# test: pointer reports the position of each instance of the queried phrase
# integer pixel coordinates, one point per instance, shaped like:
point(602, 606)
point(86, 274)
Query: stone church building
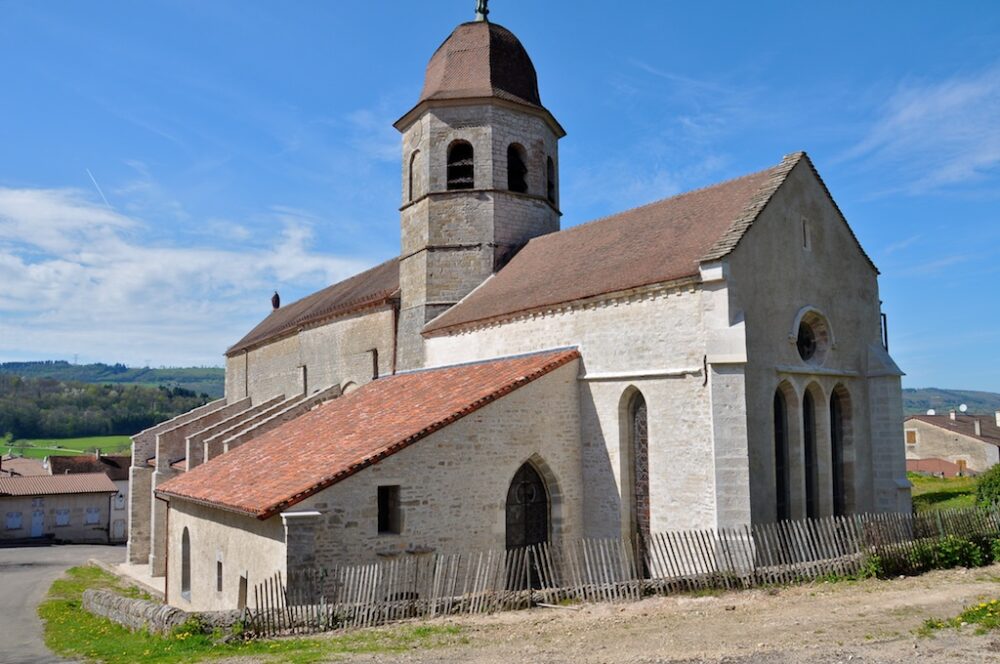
point(708, 360)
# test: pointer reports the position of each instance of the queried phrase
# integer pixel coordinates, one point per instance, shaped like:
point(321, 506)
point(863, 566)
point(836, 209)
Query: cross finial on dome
point(482, 11)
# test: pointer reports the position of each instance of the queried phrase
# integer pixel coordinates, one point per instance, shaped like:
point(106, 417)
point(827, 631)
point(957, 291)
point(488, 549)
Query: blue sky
point(166, 164)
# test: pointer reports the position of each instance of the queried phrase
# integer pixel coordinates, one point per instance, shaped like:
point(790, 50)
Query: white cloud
point(938, 134)
point(80, 278)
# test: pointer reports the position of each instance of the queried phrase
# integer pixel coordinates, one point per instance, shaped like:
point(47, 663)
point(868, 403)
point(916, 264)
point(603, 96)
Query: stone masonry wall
point(246, 547)
point(651, 341)
point(336, 352)
point(454, 483)
point(799, 253)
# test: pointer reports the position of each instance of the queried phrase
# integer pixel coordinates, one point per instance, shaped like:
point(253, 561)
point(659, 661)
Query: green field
point(933, 493)
point(40, 448)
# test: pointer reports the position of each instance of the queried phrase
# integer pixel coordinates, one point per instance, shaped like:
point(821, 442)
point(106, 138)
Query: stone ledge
point(143, 614)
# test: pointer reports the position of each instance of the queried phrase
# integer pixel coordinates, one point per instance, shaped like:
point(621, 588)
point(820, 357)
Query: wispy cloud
point(81, 278)
point(934, 135)
point(935, 266)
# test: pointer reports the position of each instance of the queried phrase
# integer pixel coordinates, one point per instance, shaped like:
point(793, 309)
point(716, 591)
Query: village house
point(116, 467)
point(952, 444)
point(64, 508)
point(709, 360)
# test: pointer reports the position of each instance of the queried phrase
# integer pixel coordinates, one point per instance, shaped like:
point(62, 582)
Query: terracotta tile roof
point(340, 437)
point(481, 59)
point(115, 467)
point(371, 287)
point(655, 243)
point(47, 485)
point(965, 425)
point(22, 466)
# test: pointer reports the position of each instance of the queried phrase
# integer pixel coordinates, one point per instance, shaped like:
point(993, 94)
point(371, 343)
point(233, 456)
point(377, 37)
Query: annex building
point(708, 360)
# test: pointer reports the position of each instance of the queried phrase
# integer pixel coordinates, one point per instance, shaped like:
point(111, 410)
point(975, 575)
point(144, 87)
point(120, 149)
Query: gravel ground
point(869, 622)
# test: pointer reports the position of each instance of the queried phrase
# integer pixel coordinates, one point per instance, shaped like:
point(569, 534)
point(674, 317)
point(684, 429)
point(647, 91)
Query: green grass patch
point(936, 493)
point(71, 631)
point(985, 617)
point(43, 447)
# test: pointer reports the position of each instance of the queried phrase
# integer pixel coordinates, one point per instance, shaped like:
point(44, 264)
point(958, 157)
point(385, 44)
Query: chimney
point(979, 426)
point(97, 452)
point(998, 417)
point(952, 415)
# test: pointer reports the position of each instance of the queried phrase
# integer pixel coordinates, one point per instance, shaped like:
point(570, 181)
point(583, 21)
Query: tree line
point(49, 408)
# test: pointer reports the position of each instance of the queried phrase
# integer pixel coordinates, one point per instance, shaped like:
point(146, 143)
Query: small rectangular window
point(13, 520)
point(911, 437)
point(218, 576)
point(389, 517)
point(62, 517)
point(962, 465)
point(93, 515)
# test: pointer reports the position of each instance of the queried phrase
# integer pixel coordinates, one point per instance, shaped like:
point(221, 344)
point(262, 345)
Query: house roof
point(115, 467)
point(47, 485)
point(344, 435)
point(21, 466)
point(369, 288)
point(965, 425)
point(659, 242)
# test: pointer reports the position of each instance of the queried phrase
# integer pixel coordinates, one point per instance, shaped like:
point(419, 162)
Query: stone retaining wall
point(138, 614)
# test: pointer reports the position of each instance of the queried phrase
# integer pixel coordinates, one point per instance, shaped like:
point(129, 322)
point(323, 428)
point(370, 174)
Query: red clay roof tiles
point(46, 485)
point(340, 437)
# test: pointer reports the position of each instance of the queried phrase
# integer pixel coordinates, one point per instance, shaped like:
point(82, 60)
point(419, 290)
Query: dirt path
point(870, 622)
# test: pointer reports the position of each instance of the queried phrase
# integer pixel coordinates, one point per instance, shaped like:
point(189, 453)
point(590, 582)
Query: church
point(714, 359)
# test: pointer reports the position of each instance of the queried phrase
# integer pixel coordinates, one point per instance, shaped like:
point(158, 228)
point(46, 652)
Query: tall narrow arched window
point(186, 564)
point(810, 465)
point(840, 459)
point(517, 169)
point(550, 180)
point(461, 166)
point(782, 499)
point(414, 189)
point(639, 443)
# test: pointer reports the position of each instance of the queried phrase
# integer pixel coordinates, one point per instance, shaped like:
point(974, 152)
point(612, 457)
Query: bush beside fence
point(612, 570)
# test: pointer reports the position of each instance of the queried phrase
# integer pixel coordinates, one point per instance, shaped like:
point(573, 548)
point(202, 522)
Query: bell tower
point(480, 173)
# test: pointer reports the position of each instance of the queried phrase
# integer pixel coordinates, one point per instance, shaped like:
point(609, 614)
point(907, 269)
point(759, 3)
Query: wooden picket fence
point(602, 570)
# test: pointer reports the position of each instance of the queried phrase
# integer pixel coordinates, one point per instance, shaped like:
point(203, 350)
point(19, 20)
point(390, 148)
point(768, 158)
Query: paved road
point(25, 577)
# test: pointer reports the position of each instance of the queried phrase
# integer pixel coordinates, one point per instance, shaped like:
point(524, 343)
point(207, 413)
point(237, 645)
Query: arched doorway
point(527, 509)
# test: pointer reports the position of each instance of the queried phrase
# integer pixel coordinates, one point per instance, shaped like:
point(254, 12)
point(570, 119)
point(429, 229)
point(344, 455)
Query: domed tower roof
point(481, 59)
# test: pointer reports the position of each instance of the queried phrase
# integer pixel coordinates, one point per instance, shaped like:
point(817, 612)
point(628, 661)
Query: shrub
point(988, 488)
point(873, 568)
point(954, 551)
point(995, 550)
point(921, 558)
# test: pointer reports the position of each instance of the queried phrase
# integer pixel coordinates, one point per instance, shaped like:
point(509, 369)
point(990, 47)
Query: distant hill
point(922, 399)
point(201, 380)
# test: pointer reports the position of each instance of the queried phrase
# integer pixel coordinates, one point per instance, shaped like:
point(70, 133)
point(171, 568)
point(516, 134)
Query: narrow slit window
point(218, 576)
point(550, 186)
point(806, 235)
point(390, 520)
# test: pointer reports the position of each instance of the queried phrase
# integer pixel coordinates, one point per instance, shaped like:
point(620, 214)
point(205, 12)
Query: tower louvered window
point(461, 166)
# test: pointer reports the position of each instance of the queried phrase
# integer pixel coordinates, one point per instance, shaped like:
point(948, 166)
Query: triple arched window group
point(806, 441)
point(461, 173)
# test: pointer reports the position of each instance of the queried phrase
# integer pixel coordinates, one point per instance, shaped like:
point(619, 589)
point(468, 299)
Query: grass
point(72, 632)
point(40, 448)
point(934, 493)
point(985, 616)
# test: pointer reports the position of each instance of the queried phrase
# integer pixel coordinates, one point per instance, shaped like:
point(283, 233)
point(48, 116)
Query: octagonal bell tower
point(480, 173)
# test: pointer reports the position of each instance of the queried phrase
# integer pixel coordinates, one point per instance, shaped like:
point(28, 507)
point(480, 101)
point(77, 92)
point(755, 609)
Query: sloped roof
point(371, 287)
point(340, 437)
point(22, 466)
point(660, 242)
point(115, 467)
point(47, 485)
point(965, 425)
